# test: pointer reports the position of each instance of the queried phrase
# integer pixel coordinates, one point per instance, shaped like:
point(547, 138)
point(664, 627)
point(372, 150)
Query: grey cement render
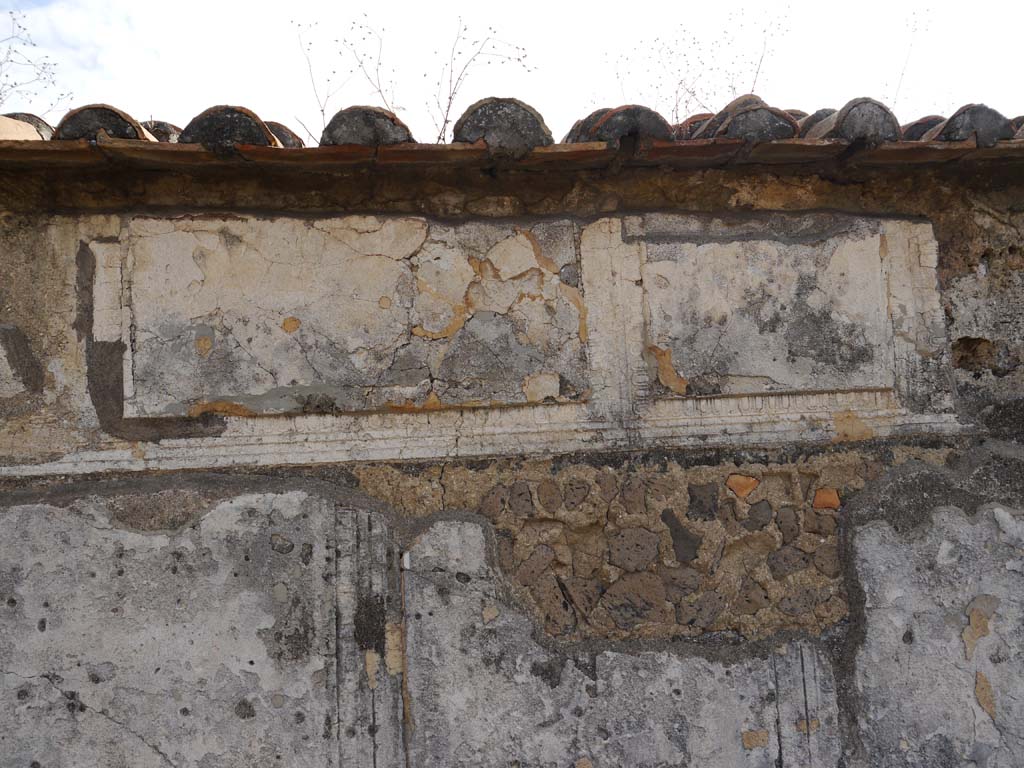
point(926, 662)
point(209, 646)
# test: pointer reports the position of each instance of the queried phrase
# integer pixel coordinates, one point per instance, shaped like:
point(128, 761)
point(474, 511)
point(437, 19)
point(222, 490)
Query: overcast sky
point(169, 61)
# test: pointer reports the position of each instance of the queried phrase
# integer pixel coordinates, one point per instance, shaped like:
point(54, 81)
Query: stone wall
point(443, 467)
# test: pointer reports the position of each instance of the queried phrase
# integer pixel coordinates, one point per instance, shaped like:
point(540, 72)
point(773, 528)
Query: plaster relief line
point(779, 761)
point(807, 710)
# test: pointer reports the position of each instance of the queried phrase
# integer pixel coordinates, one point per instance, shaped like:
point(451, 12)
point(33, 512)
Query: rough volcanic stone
point(636, 598)
point(633, 549)
point(549, 495)
point(685, 543)
point(494, 502)
point(634, 495)
point(534, 566)
point(820, 521)
point(584, 593)
point(789, 524)
point(679, 582)
point(758, 516)
point(826, 560)
point(800, 601)
point(576, 492)
point(703, 611)
point(556, 610)
point(520, 499)
point(751, 598)
point(703, 502)
point(786, 561)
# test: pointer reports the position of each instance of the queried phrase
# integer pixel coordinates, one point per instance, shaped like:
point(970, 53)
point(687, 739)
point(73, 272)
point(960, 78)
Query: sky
point(170, 61)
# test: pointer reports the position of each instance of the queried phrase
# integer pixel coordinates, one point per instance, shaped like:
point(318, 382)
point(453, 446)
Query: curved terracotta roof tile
point(507, 126)
point(581, 128)
point(93, 120)
point(17, 130)
point(710, 128)
point(690, 126)
point(365, 126)
point(629, 120)
point(164, 132)
point(285, 135)
point(977, 120)
point(862, 119)
point(43, 128)
point(758, 123)
point(226, 126)
point(915, 130)
point(807, 123)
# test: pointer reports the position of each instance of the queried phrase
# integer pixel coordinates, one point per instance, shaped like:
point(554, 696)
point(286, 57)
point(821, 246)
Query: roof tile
point(982, 123)
point(615, 124)
point(365, 126)
point(285, 135)
point(95, 120)
point(17, 130)
point(508, 127)
point(225, 126)
point(862, 120)
point(162, 131)
point(915, 130)
point(807, 123)
point(43, 128)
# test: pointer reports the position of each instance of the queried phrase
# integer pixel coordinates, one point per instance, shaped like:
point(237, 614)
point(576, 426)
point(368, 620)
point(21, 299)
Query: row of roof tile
point(508, 127)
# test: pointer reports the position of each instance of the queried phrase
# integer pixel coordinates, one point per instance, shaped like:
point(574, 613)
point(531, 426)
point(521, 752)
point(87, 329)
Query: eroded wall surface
point(647, 470)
